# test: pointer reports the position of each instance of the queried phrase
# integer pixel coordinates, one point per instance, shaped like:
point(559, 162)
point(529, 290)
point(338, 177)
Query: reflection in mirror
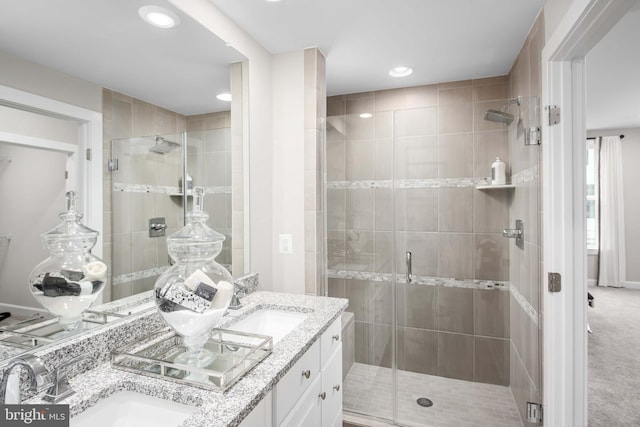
point(159, 93)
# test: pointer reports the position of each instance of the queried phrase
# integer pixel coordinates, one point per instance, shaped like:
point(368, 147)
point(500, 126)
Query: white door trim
point(88, 173)
point(565, 318)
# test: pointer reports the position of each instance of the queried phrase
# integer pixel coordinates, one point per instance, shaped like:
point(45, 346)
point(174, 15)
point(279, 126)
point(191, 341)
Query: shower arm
point(517, 100)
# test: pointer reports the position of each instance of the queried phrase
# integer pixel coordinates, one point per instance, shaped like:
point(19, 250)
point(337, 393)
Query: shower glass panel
point(434, 347)
point(148, 184)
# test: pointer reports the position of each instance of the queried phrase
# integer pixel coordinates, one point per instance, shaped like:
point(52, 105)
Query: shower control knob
point(159, 226)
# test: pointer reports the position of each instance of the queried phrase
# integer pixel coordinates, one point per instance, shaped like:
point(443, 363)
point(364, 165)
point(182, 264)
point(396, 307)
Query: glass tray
point(236, 353)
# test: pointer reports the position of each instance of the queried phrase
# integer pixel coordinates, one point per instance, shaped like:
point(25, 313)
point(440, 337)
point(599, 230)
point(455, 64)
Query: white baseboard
point(632, 285)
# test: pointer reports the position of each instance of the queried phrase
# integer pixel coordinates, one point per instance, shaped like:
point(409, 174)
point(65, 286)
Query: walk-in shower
point(411, 177)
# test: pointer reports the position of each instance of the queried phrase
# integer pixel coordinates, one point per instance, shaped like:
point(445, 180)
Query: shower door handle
point(408, 259)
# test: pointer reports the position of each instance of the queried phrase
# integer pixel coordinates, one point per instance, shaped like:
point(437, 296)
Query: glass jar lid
point(70, 234)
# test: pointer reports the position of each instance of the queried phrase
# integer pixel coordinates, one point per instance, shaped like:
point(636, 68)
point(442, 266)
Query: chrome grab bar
point(408, 255)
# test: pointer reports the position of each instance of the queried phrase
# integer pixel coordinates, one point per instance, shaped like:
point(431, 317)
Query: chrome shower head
point(498, 116)
point(163, 146)
point(502, 116)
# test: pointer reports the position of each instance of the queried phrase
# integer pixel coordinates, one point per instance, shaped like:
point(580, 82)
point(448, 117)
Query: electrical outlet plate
point(286, 244)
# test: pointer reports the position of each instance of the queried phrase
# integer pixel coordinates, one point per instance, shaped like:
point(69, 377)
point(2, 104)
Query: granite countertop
point(231, 407)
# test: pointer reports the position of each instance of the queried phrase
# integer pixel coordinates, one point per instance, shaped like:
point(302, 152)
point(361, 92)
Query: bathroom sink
point(131, 409)
point(274, 323)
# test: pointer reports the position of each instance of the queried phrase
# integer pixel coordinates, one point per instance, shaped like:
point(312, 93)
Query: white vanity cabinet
point(315, 401)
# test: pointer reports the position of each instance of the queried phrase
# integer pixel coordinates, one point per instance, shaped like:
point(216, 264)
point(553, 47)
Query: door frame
point(565, 312)
point(86, 174)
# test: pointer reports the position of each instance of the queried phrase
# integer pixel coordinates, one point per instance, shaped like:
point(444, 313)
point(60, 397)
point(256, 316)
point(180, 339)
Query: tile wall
point(454, 321)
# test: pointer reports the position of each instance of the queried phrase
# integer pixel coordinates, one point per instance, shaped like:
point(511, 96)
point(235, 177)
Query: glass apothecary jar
point(71, 278)
point(194, 293)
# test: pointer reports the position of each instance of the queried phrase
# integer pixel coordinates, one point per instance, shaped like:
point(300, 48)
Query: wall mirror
point(162, 131)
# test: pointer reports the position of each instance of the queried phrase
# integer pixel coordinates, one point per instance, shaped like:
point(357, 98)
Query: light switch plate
point(286, 244)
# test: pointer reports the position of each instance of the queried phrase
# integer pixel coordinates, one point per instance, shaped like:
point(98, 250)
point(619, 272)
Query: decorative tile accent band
point(165, 189)
point(526, 306)
point(408, 183)
point(420, 280)
point(526, 175)
point(125, 278)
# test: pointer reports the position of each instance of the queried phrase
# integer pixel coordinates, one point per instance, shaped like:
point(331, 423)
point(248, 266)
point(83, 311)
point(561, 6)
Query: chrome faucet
point(239, 291)
point(39, 376)
point(60, 388)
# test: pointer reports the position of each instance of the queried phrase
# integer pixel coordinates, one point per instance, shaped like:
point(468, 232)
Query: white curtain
point(612, 259)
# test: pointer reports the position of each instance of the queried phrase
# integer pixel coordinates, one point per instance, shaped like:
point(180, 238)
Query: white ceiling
point(105, 42)
point(613, 76)
point(443, 40)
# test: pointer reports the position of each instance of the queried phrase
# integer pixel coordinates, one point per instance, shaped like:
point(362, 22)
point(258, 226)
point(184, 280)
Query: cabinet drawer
point(295, 382)
point(331, 339)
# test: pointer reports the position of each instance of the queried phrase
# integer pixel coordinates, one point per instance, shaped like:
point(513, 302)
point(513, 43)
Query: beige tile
point(416, 122)
point(497, 92)
point(142, 285)
point(417, 306)
point(310, 232)
point(122, 254)
point(336, 288)
point(336, 209)
point(455, 155)
point(310, 67)
point(336, 248)
point(416, 157)
point(455, 118)
point(312, 194)
point(336, 105)
point(491, 257)
point(418, 350)
point(382, 348)
point(142, 118)
point(359, 159)
point(491, 81)
point(144, 252)
point(359, 253)
point(491, 362)
point(455, 356)
point(455, 209)
point(362, 104)
point(383, 247)
point(383, 209)
point(310, 107)
point(417, 209)
point(310, 267)
point(491, 313)
point(363, 335)
point(381, 302)
point(455, 255)
point(456, 84)
point(165, 121)
point(388, 100)
point(491, 211)
point(455, 310)
point(336, 129)
point(359, 128)
point(421, 96)
point(121, 118)
point(383, 162)
point(143, 208)
point(424, 249)
point(384, 124)
point(459, 95)
point(122, 212)
point(360, 209)
point(486, 147)
point(336, 158)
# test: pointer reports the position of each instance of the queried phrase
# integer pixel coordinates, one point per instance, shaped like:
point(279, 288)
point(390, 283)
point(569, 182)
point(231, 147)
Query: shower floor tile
point(368, 390)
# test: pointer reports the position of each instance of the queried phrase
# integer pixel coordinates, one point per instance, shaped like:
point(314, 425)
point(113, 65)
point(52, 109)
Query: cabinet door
point(295, 382)
point(330, 341)
point(260, 416)
point(307, 412)
point(332, 386)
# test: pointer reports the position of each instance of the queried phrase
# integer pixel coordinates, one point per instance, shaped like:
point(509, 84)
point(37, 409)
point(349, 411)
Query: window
point(592, 194)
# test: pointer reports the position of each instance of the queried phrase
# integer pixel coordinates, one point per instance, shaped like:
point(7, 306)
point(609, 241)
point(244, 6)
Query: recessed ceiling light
point(159, 16)
point(366, 115)
point(400, 71)
point(224, 96)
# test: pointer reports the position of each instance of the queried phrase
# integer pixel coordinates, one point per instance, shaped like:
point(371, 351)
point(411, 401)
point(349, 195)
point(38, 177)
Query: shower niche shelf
point(495, 187)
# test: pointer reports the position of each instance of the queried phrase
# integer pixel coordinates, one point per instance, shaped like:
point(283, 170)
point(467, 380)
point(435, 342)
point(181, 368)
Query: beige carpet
point(614, 358)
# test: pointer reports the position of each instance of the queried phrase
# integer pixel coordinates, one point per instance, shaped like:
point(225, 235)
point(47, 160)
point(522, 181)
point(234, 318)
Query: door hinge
point(553, 114)
point(112, 164)
point(555, 282)
point(89, 154)
point(534, 413)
